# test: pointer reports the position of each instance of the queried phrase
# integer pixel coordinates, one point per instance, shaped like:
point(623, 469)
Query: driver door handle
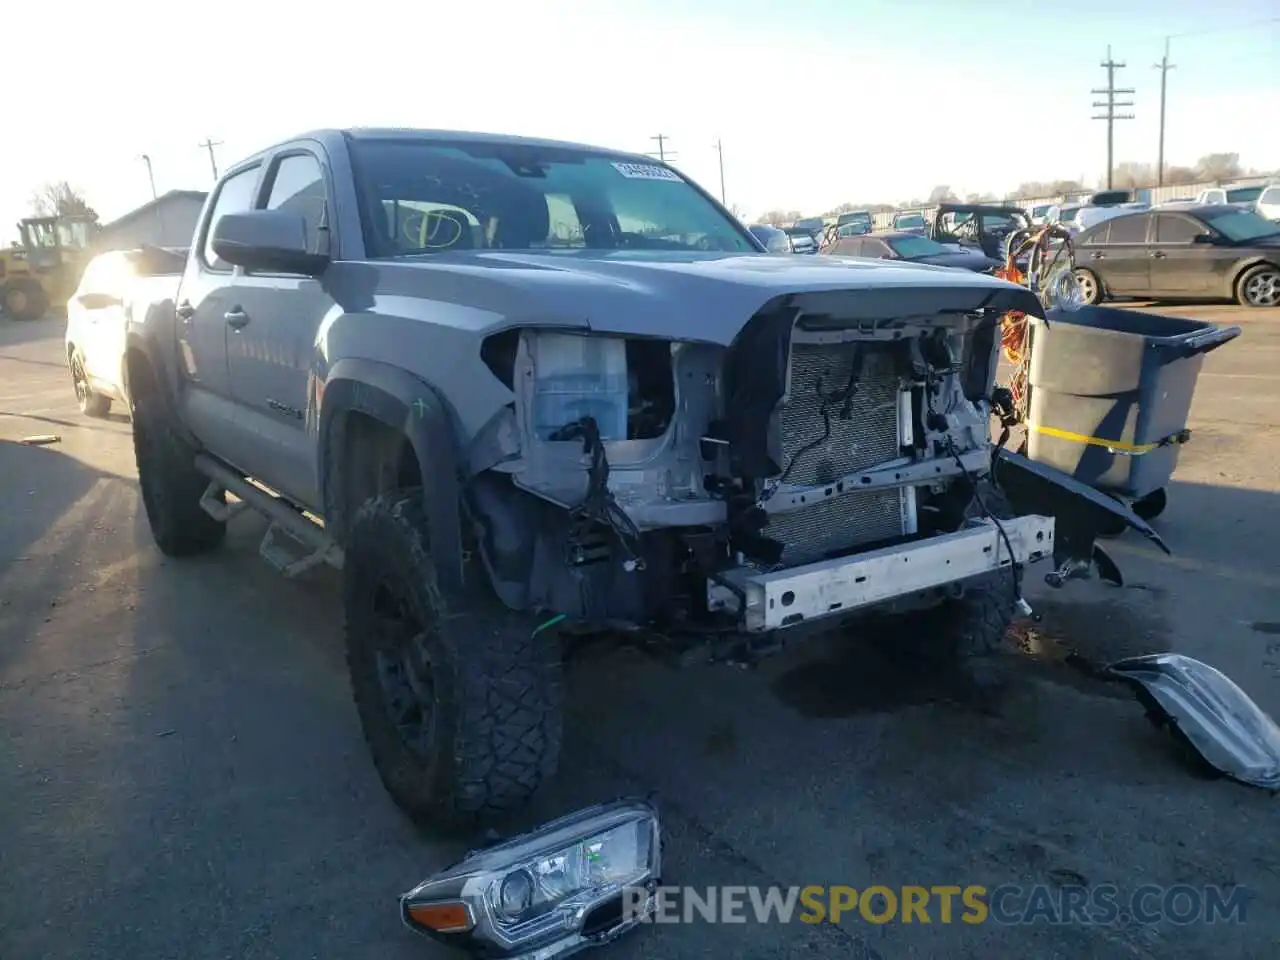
point(185, 311)
point(1099, 255)
point(1159, 255)
point(236, 317)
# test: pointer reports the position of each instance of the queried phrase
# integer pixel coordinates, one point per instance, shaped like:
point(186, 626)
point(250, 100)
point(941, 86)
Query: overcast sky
point(816, 101)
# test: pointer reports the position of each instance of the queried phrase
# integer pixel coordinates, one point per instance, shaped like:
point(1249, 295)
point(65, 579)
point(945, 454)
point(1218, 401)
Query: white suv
point(99, 312)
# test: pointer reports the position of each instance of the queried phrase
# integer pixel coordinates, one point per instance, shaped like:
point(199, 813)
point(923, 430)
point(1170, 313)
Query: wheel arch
point(377, 423)
point(1245, 265)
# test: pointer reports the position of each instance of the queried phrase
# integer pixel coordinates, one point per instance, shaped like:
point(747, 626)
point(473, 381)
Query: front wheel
point(461, 709)
point(1259, 286)
point(1090, 287)
point(91, 403)
point(24, 299)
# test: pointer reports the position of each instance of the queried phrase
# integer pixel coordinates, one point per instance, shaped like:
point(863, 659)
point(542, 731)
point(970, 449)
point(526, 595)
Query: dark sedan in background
point(910, 223)
point(914, 249)
point(774, 240)
point(803, 240)
point(1205, 252)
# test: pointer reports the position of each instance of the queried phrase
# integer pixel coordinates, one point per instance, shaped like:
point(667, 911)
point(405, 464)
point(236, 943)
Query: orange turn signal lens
point(452, 917)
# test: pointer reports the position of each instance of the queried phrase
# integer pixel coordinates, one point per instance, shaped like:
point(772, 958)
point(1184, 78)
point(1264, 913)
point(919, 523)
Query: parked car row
point(1123, 248)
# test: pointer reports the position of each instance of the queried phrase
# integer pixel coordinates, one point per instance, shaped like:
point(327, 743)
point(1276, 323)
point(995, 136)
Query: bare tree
point(1218, 166)
point(736, 210)
point(778, 218)
point(941, 194)
point(1174, 175)
point(1130, 174)
point(60, 199)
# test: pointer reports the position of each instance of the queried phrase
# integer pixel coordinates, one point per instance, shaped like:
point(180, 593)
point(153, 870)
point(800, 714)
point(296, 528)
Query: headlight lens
point(542, 891)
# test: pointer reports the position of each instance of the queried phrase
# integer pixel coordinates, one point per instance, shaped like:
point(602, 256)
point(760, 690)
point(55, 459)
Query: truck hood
point(706, 297)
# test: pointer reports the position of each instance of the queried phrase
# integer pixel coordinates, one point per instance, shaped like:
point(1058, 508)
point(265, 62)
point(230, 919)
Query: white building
point(168, 221)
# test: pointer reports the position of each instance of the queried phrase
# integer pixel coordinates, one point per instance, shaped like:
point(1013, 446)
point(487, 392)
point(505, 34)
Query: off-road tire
point(90, 402)
point(496, 689)
point(24, 299)
point(171, 484)
point(965, 632)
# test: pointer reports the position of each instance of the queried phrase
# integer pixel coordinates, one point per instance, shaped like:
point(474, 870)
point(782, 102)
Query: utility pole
point(1110, 105)
point(209, 144)
point(150, 175)
point(662, 139)
point(1164, 66)
point(720, 150)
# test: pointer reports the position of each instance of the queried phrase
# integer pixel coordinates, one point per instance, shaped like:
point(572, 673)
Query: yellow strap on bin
point(1112, 446)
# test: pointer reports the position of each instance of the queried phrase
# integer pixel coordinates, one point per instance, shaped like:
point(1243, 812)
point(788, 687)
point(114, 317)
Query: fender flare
point(1239, 270)
point(407, 404)
point(164, 375)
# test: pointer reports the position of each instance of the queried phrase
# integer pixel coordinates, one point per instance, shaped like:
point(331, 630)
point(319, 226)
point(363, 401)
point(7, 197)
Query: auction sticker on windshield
point(645, 171)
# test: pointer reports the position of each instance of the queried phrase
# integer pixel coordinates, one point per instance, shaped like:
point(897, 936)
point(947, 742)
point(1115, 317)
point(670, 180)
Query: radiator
point(864, 432)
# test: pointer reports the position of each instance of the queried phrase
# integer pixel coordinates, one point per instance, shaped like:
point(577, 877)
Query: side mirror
point(269, 240)
point(1204, 238)
point(99, 301)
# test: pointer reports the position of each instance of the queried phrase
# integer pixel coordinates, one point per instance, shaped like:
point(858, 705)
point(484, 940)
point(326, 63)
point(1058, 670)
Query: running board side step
point(287, 522)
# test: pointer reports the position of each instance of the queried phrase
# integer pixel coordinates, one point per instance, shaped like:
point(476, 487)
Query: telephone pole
point(1110, 105)
point(1164, 66)
point(662, 139)
point(150, 175)
point(209, 144)
point(720, 150)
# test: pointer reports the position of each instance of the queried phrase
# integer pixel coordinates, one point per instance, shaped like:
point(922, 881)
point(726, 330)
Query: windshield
point(813, 224)
point(428, 197)
point(1241, 224)
point(911, 247)
point(1244, 194)
point(909, 220)
point(1069, 214)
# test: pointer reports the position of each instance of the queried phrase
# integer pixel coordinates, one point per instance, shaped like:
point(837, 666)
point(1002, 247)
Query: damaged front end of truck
point(833, 457)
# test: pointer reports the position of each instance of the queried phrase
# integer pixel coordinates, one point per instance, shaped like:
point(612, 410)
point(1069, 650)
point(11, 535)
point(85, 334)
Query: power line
point(663, 153)
point(1164, 66)
point(209, 144)
point(719, 148)
point(1110, 105)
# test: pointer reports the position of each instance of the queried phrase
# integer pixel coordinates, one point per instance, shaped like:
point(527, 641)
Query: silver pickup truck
point(518, 389)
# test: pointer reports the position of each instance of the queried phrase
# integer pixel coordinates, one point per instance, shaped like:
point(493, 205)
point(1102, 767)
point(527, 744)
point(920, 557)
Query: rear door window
point(236, 195)
point(1130, 229)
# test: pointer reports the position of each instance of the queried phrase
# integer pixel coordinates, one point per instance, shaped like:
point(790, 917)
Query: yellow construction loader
point(40, 271)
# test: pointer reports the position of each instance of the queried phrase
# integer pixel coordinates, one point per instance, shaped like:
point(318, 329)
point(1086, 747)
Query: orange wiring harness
point(1014, 329)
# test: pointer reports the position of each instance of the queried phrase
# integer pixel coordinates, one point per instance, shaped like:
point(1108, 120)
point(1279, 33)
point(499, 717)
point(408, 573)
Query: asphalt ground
point(182, 773)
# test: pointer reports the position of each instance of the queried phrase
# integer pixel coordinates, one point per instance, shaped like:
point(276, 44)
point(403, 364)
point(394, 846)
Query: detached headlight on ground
point(582, 879)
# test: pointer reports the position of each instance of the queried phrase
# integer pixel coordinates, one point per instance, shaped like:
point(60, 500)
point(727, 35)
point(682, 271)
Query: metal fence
point(884, 221)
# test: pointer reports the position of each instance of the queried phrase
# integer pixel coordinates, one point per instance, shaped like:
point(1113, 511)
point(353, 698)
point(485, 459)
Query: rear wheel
point(24, 299)
point(1090, 286)
point(91, 404)
point(1259, 286)
point(460, 702)
point(171, 484)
